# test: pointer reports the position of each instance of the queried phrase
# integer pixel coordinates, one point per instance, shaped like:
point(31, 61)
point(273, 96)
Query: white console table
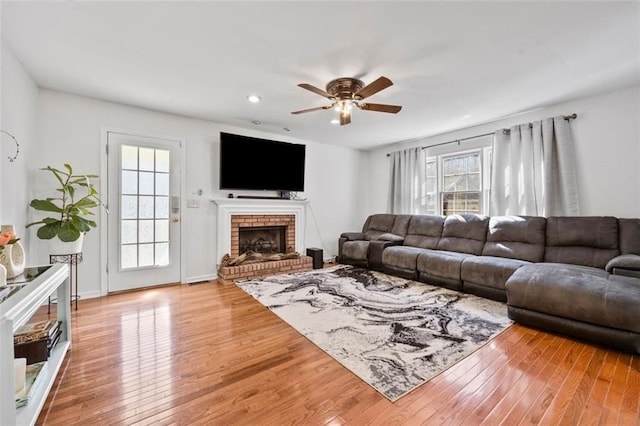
point(15, 311)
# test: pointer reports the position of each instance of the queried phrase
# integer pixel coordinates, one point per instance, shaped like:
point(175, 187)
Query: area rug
point(393, 333)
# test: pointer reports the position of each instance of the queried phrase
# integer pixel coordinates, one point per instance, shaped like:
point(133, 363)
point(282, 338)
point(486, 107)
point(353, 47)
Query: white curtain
point(533, 170)
point(406, 180)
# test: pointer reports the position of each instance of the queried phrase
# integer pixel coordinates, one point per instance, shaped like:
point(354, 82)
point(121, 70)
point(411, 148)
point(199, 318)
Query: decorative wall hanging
point(12, 159)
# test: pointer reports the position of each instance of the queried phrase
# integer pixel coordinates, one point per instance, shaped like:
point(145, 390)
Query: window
point(461, 184)
point(458, 182)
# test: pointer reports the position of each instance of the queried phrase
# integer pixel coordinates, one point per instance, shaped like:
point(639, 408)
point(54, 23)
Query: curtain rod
point(566, 117)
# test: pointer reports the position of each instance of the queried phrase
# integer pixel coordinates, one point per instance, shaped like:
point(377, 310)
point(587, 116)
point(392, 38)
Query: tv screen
point(260, 164)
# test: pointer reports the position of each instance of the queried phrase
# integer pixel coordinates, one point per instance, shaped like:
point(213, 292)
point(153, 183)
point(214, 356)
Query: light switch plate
point(194, 204)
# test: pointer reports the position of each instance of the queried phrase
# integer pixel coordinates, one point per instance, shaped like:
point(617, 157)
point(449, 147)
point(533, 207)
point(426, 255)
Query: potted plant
point(74, 204)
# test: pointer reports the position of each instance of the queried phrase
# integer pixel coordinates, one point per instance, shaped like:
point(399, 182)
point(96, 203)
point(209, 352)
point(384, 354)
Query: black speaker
point(316, 255)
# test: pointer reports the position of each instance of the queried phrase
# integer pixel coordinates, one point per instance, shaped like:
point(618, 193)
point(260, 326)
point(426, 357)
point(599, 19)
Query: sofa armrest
point(391, 237)
point(353, 236)
point(341, 242)
point(629, 262)
point(375, 252)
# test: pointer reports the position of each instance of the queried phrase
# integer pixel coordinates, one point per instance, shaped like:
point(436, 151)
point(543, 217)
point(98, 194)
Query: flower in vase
point(7, 238)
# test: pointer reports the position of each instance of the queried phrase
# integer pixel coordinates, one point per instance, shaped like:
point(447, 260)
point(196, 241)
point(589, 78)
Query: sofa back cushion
point(516, 237)
point(588, 241)
point(380, 224)
point(401, 224)
point(424, 231)
point(464, 233)
point(629, 236)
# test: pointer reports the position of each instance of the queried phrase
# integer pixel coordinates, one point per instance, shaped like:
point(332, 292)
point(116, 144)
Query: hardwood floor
point(210, 354)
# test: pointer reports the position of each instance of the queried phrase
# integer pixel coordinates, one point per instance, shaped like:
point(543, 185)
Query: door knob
point(175, 220)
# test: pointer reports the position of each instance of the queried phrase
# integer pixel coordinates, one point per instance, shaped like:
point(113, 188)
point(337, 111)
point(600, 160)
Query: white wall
point(69, 131)
point(607, 137)
point(19, 105)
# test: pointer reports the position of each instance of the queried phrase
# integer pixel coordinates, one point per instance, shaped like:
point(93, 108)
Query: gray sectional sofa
point(578, 276)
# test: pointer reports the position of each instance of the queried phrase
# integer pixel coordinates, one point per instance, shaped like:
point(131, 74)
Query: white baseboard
point(210, 277)
point(199, 278)
point(90, 295)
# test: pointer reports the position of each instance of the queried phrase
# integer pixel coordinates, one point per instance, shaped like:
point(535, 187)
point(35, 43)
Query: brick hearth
point(229, 274)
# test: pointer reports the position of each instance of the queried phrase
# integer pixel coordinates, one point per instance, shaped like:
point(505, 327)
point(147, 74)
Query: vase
point(58, 247)
point(3, 276)
point(12, 257)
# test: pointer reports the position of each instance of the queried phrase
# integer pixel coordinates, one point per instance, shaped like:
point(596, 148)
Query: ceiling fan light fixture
point(344, 106)
point(346, 92)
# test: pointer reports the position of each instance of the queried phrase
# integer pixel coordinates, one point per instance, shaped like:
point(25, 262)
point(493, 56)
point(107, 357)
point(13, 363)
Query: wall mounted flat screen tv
point(260, 164)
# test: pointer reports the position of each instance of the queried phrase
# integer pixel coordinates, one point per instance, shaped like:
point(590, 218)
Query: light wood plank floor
point(210, 354)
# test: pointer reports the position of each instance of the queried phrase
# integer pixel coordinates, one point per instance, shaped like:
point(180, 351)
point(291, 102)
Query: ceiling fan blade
point(393, 109)
point(345, 118)
point(373, 87)
point(315, 90)
point(311, 109)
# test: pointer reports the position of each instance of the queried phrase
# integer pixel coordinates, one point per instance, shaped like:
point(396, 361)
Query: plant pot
point(58, 247)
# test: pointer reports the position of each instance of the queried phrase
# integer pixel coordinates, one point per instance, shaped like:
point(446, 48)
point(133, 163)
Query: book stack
point(35, 341)
point(31, 383)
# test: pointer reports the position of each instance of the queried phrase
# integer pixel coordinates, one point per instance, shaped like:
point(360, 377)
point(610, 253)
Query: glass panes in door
point(144, 207)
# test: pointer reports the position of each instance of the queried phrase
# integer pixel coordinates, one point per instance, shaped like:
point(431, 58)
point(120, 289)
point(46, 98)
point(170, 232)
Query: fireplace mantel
point(228, 207)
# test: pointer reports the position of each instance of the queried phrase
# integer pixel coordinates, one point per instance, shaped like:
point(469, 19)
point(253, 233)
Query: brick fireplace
point(261, 222)
point(262, 218)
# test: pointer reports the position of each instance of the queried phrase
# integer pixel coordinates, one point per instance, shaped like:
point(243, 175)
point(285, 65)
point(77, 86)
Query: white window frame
point(485, 177)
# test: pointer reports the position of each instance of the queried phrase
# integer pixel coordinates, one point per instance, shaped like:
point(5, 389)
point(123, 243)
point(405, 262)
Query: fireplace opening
point(262, 239)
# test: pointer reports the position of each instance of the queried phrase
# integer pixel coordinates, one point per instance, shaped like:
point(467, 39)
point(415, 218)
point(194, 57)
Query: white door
point(143, 235)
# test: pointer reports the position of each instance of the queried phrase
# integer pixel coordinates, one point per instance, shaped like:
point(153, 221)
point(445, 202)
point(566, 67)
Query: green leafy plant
point(77, 198)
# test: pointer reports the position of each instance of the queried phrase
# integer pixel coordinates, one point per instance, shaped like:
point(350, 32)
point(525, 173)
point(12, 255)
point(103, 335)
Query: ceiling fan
point(346, 92)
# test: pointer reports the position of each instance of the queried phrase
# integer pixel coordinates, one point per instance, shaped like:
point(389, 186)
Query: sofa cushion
point(401, 224)
point(588, 241)
point(577, 292)
point(402, 257)
point(516, 237)
point(424, 231)
point(378, 224)
point(624, 261)
point(464, 233)
point(629, 236)
point(489, 271)
point(441, 263)
point(390, 237)
point(355, 250)
point(382, 224)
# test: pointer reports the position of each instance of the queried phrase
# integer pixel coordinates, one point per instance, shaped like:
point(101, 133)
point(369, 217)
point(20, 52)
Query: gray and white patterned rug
point(393, 333)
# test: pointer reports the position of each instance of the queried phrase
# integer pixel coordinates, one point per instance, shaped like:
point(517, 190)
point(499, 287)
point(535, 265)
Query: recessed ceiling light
point(256, 122)
point(335, 121)
point(254, 99)
point(286, 129)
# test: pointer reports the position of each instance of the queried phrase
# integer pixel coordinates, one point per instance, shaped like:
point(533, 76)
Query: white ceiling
point(453, 64)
